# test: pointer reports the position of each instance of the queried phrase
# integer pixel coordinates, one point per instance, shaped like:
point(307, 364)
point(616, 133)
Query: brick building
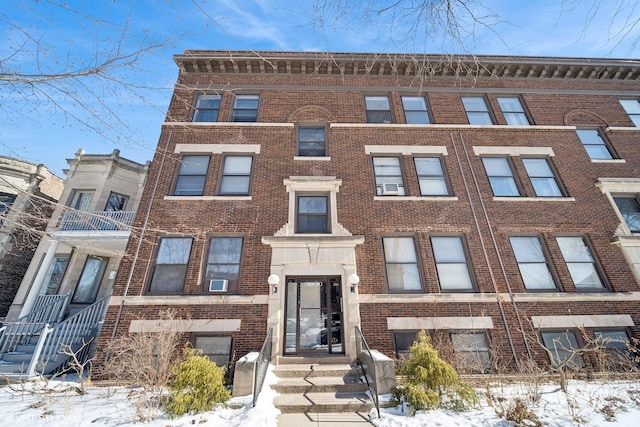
point(491, 201)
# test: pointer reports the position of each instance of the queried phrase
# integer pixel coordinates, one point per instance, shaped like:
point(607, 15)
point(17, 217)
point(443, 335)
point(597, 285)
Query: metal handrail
point(47, 309)
point(262, 363)
point(369, 372)
point(73, 220)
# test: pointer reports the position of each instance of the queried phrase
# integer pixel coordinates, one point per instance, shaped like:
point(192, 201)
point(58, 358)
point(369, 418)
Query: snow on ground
point(58, 404)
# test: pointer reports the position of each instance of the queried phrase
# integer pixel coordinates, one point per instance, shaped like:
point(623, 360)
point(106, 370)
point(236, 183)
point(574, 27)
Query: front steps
point(322, 385)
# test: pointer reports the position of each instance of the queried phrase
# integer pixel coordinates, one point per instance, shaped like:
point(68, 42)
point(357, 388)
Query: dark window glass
point(312, 214)
point(311, 141)
point(223, 262)
point(632, 107)
point(192, 176)
point(117, 202)
point(630, 210)
point(89, 283)
point(471, 351)
point(562, 347)
point(207, 108)
point(170, 269)
point(216, 348)
point(245, 108)
point(378, 109)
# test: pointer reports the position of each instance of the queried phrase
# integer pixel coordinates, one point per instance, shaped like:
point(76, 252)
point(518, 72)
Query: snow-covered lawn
point(58, 404)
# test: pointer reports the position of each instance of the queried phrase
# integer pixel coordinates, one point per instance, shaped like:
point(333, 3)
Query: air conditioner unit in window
point(218, 285)
point(389, 189)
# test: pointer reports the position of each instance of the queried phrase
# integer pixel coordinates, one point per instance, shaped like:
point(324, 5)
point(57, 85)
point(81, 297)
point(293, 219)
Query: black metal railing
point(262, 363)
point(368, 370)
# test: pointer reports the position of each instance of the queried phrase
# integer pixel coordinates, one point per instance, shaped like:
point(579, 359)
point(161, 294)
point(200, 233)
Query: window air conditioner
point(218, 285)
point(390, 189)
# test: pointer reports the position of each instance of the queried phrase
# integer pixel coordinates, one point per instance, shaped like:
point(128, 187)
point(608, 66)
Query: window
point(532, 263)
point(513, 112)
point(415, 110)
point(378, 110)
point(402, 264)
point(388, 176)
point(403, 342)
point(87, 288)
point(312, 214)
point(311, 141)
point(500, 176)
point(192, 176)
point(632, 107)
point(431, 176)
point(207, 108)
point(245, 108)
point(53, 279)
point(562, 347)
point(594, 143)
point(116, 202)
point(615, 349)
point(451, 264)
point(6, 201)
point(223, 264)
point(580, 263)
point(170, 269)
point(477, 111)
point(216, 348)
point(82, 200)
point(236, 175)
point(542, 178)
point(630, 210)
point(471, 351)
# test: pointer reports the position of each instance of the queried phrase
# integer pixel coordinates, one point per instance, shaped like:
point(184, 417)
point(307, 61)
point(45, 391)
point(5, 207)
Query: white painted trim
point(556, 297)
point(448, 126)
point(207, 198)
point(512, 151)
point(608, 161)
point(588, 321)
point(427, 298)
point(217, 148)
point(228, 124)
point(406, 150)
point(190, 300)
point(622, 128)
point(185, 325)
point(419, 323)
point(421, 198)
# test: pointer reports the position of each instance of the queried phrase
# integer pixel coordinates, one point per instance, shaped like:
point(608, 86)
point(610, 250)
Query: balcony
point(97, 221)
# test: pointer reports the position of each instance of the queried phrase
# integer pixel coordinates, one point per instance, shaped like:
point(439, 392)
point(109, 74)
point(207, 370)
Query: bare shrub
point(146, 359)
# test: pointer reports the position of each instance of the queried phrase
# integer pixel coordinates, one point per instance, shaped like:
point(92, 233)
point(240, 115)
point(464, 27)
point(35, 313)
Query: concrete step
point(320, 385)
point(320, 359)
point(17, 357)
point(323, 403)
point(324, 419)
point(317, 370)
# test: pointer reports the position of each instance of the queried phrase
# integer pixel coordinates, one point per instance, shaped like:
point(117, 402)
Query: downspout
point(482, 242)
point(137, 252)
point(502, 268)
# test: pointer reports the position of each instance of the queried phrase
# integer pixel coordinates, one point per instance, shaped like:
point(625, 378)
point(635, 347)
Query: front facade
point(491, 201)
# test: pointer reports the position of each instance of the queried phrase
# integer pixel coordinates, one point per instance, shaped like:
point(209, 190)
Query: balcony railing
point(97, 220)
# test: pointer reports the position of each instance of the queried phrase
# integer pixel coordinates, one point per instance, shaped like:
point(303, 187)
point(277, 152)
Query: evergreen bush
point(197, 386)
point(431, 382)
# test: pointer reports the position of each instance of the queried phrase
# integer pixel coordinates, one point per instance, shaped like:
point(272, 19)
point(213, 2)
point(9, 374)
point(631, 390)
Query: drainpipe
point(500, 261)
point(139, 245)
point(482, 242)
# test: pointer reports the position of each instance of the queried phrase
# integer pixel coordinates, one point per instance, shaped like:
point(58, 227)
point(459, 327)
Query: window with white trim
point(415, 110)
point(542, 177)
point(629, 208)
point(580, 263)
point(632, 107)
point(451, 263)
point(192, 175)
point(170, 267)
point(236, 176)
point(207, 108)
point(312, 141)
point(401, 263)
point(477, 110)
point(388, 176)
point(312, 214)
point(245, 108)
point(532, 263)
point(595, 144)
point(378, 109)
point(501, 178)
point(513, 111)
point(431, 176)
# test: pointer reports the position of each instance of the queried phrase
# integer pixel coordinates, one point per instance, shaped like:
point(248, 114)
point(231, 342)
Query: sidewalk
point(328, 419)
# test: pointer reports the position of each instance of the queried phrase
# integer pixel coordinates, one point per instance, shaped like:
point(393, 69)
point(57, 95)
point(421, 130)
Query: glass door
point(314, 316)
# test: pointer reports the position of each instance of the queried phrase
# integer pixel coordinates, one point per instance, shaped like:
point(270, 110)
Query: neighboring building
point(28, 192)
point(71, 276)
point(492, 201)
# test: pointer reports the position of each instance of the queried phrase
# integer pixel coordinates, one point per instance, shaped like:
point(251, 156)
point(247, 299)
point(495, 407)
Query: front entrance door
point(314, 316)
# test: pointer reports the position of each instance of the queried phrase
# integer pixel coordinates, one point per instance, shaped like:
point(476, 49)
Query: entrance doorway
point(314, 316)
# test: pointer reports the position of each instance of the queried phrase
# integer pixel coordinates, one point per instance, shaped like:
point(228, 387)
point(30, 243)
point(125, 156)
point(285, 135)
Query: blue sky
point(51, 36)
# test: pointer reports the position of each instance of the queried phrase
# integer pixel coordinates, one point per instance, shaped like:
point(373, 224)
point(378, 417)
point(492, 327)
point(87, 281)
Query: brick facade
point(556, 94)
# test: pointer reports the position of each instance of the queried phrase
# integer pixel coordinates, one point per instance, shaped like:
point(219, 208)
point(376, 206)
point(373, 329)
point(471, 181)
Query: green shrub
point(197, 386)
point(431, 382)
